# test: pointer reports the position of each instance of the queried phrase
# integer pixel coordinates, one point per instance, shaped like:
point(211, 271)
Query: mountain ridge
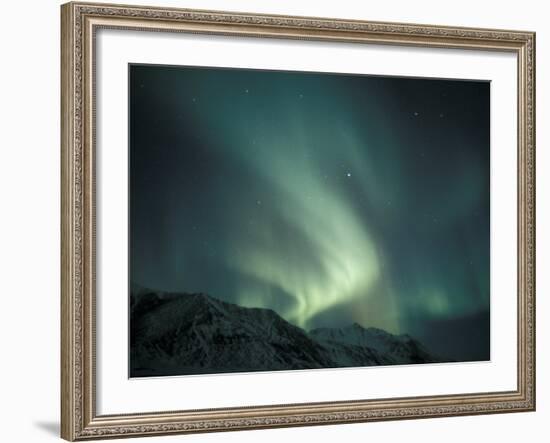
point(195, 333)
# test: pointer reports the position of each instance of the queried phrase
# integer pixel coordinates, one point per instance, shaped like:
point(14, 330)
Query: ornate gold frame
point(79, 22)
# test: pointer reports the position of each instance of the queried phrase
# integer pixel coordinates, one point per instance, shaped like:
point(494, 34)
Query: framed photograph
point(282, 221)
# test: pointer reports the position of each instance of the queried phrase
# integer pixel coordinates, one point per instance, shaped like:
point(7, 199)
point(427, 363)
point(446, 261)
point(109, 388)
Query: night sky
point(328, 198)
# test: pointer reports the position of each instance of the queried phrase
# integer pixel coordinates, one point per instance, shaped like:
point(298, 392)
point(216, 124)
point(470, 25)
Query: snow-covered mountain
point(177, 334)
point(390, 348)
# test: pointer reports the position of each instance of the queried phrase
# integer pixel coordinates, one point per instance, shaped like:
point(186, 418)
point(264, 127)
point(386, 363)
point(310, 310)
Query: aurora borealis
point(328, 198)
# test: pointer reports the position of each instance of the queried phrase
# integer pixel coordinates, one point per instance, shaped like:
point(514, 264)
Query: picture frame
point(81, 239)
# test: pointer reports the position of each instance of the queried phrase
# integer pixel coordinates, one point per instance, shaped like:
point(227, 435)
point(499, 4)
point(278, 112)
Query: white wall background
point(29, 219)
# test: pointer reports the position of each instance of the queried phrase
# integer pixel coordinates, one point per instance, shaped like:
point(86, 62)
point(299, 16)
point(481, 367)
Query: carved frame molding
point(80, 21)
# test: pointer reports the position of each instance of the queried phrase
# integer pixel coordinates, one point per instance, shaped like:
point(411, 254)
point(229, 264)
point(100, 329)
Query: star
point(246, 91)
point(415, 114)
point(441, 115)
point(259, 202)
point(193, 99)
point(349, 174)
